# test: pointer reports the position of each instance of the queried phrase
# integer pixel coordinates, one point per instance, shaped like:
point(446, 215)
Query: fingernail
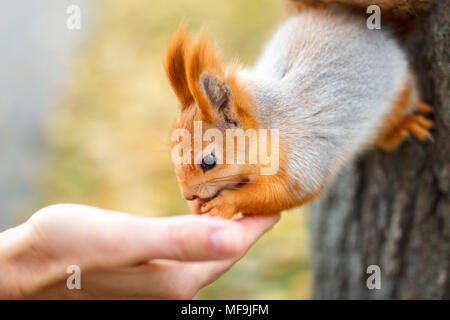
point(226, 240)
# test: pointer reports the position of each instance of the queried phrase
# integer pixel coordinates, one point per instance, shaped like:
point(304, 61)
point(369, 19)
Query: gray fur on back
point(326, 81)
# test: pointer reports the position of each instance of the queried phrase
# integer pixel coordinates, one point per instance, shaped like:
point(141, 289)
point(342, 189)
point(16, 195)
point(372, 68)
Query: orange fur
point(266, 195)
point(243, 104)
point(175, 66)
point(263, 195)
point(201, 58)
point(185, 63)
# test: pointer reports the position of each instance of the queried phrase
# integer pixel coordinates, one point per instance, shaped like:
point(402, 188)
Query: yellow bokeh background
point(108, 142)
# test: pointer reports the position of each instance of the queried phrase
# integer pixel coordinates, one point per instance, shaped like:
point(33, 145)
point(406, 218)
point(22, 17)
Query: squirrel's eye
point(208, 162)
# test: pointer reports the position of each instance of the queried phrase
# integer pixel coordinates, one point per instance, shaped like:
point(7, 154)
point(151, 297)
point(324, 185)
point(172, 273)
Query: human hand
point(120, 256)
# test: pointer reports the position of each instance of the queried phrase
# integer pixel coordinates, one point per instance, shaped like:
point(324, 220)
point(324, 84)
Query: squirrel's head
point(212, 104)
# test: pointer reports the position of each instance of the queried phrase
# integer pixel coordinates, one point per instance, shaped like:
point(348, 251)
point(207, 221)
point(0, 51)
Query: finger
point(191, 238)
point(194, 238)
point(204, 273)
point(255, 226)
point(194, 275)
point(116, 239)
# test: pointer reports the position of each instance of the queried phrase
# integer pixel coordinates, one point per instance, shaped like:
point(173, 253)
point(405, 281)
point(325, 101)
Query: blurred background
point(86, 116)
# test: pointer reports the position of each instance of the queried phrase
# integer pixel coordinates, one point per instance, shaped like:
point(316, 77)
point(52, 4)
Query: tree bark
point(393, 209)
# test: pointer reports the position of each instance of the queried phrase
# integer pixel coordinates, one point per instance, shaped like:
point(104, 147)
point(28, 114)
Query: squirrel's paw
point(415, 124)
point(219, 207)
point(424, 108)
point(418, 126)
point(195, 206)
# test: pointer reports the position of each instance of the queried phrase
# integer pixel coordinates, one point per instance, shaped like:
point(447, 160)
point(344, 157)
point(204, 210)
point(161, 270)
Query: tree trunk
point(393, 209)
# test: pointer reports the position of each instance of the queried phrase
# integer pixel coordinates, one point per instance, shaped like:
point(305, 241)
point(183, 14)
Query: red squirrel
point(330, 88)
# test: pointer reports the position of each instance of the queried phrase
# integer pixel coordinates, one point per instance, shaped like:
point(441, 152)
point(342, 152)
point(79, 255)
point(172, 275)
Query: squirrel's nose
point(190, 197)
point(188, 192)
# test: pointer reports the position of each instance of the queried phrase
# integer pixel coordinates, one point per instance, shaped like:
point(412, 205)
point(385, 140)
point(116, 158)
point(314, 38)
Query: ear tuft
point(175, 66)
point(202, 58)
point(216, 90)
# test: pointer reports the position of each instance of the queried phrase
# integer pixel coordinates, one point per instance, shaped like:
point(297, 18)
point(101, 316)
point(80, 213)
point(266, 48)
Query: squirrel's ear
point(218, 93)
point(216, 90)
point(211, 89)
point(202, 61)
point(175, 66)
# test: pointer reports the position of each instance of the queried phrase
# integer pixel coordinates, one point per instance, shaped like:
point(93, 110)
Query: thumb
point(191, 238)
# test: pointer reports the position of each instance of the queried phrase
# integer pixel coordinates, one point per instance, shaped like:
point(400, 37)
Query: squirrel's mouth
point(232, 186)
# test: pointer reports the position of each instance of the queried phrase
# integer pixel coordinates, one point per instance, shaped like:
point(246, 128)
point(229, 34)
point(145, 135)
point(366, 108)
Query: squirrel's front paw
point(219, 207)
point(195, 206)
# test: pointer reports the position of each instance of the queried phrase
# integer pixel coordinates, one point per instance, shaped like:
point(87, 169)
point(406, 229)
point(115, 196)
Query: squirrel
point(331, 87)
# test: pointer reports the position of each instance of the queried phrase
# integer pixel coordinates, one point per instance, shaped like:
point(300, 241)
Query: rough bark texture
point(393, 209)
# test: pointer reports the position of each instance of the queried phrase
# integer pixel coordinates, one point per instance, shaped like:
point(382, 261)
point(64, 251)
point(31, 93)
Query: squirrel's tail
point(404, 15)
